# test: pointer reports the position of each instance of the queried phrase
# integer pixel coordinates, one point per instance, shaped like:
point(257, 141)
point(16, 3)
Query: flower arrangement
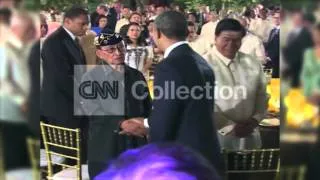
point(300, 113)
point(273, 89)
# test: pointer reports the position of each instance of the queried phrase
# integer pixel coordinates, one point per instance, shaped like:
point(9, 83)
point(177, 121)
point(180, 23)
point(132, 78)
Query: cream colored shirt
point(208, 31)
point(4, 29)
point(245, 77)
point(201, 45)
point(14, 79)
point(253, 46)
point(240, 96)
point(261, 28)
point(121, 23)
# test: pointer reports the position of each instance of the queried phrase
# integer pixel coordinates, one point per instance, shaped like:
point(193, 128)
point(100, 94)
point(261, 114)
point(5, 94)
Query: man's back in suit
point(183, 91)
point(186, 120)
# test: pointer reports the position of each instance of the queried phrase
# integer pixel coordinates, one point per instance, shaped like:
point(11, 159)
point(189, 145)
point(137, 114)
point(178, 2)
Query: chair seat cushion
point(71, 174)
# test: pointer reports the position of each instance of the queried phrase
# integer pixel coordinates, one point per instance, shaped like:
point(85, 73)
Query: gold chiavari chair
point(293, 173)
point(33, 146)
point(64, 139)
point(252, 161)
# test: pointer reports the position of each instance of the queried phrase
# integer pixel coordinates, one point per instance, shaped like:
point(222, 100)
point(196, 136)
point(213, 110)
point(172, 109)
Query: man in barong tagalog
point(112, 127)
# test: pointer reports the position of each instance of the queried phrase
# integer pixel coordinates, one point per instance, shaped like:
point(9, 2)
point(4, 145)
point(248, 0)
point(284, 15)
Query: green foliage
point(218, 4)
point(31, 4)
point(61, 4)
point(188, 4)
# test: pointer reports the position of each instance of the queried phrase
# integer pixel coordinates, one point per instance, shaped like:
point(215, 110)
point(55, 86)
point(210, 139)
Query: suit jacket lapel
point(72, 47)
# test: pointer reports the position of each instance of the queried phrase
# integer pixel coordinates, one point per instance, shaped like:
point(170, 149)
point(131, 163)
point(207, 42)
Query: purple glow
point(159, 162)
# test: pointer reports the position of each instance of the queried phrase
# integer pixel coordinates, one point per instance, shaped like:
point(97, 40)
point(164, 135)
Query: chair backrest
point(293, 172)
point(252, 161)
point(63, 142)
point(33, 146)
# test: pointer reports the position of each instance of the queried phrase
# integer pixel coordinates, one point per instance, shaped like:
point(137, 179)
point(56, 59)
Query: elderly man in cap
point(113, 127)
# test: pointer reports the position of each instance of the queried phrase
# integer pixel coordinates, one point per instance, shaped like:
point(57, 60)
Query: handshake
point(133, 127)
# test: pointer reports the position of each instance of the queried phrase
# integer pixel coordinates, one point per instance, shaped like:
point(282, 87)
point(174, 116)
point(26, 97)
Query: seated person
point(138, 55)
point(102, 22)
point(160, 162)
point(310, 80)
point(192, 32)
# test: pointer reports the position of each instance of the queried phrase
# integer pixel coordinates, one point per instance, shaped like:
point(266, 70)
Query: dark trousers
point(96, 168)
point(80, 122)
point(14, 145)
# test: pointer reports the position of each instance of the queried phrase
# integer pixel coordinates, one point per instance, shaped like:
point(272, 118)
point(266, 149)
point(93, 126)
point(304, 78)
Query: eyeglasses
point(112, 49)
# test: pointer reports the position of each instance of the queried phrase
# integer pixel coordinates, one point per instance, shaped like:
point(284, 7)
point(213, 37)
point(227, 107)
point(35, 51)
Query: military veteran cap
point(105, 39)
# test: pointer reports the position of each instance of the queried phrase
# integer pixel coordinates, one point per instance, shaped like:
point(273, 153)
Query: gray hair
point(173, 25)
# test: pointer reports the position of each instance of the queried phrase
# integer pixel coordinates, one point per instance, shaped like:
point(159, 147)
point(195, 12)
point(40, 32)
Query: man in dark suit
point(112, 19)
point(299, 39)
point(273, 45)
point(183, 117)
point(60, 53)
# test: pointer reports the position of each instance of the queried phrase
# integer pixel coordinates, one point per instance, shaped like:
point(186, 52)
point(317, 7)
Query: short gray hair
point(173, 25)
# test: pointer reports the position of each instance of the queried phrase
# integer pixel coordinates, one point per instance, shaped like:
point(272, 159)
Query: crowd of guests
point(187, 48)
point(259, 21)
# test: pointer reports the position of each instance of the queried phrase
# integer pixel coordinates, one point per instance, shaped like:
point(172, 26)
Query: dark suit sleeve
point(34, 96)
point(164, 119)
point(58, 67)
point(147, 100)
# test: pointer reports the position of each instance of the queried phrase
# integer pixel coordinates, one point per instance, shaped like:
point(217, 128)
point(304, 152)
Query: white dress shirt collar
point(70, 33)
point(224, 59)
point(172, 47)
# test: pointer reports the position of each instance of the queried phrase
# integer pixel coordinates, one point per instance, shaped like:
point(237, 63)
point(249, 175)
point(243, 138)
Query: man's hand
point(133, 127)
point(245, 129)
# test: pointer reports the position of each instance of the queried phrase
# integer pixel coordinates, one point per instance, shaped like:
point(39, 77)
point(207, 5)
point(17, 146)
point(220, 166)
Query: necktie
point(274, 32)
point(77, 42)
